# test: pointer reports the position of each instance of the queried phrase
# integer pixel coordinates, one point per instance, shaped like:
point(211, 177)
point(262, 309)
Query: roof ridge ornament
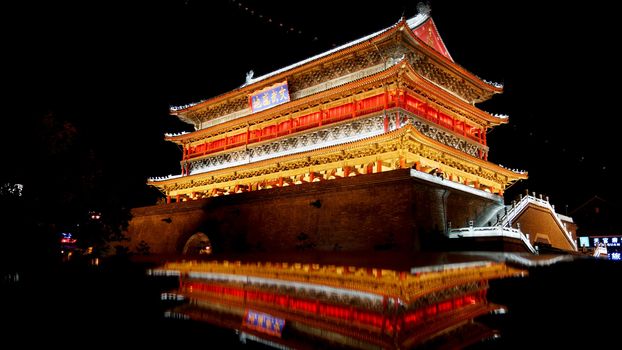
point(249, 77)
point(424, 8)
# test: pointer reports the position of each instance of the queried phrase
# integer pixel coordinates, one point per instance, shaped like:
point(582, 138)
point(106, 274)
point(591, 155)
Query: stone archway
point(197, 244)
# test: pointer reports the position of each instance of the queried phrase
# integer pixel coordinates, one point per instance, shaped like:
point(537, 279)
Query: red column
point(168, 199)
point(379, 166)
point(346, 171)
point(311, 176)
point(386, 122)
point(281, 181)
point(370, 168)
point(400, 98)
point(404, 98)
point(402, 162)
point(386, 99)
point(177, 198)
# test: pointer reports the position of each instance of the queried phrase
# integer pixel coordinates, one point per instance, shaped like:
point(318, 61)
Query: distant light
point(67, 238)
point(171, 296)
point(11, 189)
point(500, 311)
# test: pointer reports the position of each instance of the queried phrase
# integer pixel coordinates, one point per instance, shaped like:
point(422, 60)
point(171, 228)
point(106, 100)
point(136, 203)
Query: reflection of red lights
point(297, 304)
point(68, 240)
point(470, 299)
point(445, 306)
point(410, 319)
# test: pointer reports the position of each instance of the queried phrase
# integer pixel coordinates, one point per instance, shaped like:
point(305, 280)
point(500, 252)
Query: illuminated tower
point(394, 99)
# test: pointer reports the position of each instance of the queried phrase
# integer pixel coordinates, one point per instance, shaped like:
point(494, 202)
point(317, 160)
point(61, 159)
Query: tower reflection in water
point(291, 305)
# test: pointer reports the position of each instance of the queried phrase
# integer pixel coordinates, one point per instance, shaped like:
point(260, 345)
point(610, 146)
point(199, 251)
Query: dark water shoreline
point(575, 303)
point(75, 305)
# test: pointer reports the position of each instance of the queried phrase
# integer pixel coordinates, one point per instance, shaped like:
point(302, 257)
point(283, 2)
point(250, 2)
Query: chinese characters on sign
point(269, 97)
point(264, 323)
point(612, 244)
point(607, 241)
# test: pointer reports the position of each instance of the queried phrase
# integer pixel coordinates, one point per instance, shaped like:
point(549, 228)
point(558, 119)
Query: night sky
point(111, 69)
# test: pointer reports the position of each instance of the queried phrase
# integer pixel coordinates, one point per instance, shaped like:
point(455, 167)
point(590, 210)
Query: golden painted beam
point(406, 143)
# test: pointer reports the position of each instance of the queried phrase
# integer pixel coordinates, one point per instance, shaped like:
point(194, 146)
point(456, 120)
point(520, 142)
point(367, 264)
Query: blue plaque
point(269, 97)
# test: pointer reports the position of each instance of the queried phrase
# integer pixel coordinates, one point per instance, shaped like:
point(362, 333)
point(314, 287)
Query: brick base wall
point(385, 211)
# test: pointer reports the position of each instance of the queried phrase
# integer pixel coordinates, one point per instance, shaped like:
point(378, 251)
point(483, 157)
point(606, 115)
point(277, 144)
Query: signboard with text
point(269, 97)
point(264, 323)
point(612, 243)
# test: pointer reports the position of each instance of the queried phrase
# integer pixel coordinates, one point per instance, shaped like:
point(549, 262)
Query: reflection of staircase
point(503, 219)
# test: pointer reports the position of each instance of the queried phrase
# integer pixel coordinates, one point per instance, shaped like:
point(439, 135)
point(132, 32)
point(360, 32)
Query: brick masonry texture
point(385, 211)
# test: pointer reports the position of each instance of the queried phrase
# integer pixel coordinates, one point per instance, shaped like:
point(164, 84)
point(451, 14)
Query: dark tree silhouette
point(73, 176)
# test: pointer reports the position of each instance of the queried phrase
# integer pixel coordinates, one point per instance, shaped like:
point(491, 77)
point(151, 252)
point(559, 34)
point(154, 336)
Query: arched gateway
point(197, 244)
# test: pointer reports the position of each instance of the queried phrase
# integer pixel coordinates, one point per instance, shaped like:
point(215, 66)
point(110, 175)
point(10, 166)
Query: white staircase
point(504, 218)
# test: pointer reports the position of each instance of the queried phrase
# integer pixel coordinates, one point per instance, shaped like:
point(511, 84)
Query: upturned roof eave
point(453, 65)
point(282, 73)
point(384, 74)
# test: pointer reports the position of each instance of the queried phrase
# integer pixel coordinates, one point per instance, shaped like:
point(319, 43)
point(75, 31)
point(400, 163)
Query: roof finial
point(424, 8)
point(249, 76)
